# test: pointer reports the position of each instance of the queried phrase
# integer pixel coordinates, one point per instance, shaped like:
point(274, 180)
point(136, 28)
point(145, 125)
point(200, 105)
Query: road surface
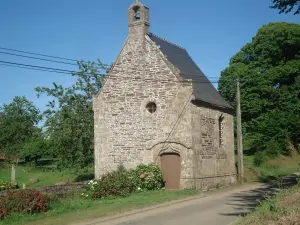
point(221, 207)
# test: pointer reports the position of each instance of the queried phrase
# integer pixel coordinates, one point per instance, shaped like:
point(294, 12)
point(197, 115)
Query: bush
point(24, 201)
point(259, 158)
point(273, 149)
point(5, 186)
point(147, 177)
point(122, 182)
point(112, 184)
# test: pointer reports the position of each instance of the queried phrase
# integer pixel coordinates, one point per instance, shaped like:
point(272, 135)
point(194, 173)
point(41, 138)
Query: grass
point(78, 209)
point(46, 178)
point(283, 209)
point(282, 166)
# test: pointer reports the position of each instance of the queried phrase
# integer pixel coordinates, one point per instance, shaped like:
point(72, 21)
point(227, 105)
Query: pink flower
point(142, 176)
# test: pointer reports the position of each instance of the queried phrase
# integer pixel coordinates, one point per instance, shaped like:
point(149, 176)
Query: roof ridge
point(167, 41)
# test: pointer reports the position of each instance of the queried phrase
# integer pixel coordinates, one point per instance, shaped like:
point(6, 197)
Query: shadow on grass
point(247, 201)
point(46, 162)
point(84, 177)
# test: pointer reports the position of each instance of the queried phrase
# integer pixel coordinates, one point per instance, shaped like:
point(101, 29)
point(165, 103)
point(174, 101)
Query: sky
point(212, 32)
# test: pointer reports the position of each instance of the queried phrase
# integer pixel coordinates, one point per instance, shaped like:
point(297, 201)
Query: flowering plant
point(147, 177)
point(111, 185)
point(24, 201)
point(5, 186)
point(124, 182)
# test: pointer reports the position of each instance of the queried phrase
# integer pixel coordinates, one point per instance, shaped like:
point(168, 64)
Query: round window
point(151, 107)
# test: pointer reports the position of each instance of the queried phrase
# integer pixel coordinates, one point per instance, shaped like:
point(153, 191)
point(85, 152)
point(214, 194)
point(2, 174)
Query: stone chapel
point(157, 106)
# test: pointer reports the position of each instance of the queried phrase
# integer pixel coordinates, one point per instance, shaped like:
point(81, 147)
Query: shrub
point(5, 186)
point(259, 158)
point(123, 183)
point(147, 177)
point(112, 184)
point(273, 149)
point(24, 201)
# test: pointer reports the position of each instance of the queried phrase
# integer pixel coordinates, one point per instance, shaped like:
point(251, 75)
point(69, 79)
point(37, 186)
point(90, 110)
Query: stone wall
point(213, 158)
point(125, 132)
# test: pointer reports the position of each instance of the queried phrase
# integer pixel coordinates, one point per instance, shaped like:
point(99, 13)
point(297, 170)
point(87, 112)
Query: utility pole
point(239, 135)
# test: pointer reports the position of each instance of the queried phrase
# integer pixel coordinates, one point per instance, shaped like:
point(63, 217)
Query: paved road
point(221, 207)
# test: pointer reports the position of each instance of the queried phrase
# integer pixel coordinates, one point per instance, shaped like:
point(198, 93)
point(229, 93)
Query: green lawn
point(78, 209)
point(282, 166)
point(24, 174)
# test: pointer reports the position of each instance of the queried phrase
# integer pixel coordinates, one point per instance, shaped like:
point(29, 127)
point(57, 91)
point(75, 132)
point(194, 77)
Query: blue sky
point(212, 32)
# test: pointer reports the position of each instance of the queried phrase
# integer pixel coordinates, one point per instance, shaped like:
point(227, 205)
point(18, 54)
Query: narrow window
point(221, 135)
point(137, 13)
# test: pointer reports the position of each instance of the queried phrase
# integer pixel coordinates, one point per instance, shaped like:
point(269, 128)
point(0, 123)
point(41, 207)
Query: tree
point(34, 149)
point(269, 67)
point(286, 6)
point(70, 118)
point(18, 125)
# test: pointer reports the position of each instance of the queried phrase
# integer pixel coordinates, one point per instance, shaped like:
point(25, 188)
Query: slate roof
point(179, 57)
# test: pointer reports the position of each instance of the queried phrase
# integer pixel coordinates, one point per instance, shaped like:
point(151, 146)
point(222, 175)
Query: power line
point(39, 67)
point(30, 57)
point(23, 67)
point(67, 59)
point(44, 55)
point(56, 57)
point(70, 72)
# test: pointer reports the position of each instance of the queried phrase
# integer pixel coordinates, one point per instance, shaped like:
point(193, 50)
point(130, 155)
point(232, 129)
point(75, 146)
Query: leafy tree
point(18, 125)
point(269, 68)
point(34, 149)
point(286, 6)
point(70, 119)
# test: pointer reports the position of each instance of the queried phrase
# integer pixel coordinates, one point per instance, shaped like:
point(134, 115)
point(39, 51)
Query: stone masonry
point(127, 133)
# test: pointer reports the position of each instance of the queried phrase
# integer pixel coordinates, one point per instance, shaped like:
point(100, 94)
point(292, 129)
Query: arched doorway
point(170, 167)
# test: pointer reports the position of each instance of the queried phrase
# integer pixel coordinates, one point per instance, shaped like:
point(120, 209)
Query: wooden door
point(170, 167)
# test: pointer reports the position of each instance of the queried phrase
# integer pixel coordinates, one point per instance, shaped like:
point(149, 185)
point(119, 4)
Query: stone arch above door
point(167, 148)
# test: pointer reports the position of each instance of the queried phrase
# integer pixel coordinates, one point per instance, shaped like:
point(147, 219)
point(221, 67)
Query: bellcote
point(138, 19)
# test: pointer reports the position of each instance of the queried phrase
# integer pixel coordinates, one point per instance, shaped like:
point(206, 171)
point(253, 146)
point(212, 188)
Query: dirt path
point(213, 208)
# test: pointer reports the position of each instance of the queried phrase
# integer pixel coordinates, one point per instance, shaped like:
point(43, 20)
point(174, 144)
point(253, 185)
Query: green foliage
point(269, 204)
point(286, 6)
point(34, 149)
point(5, 186)
point(259, 158)
point(123, 183)
point(18, 125)
point(147, 177)
point(269, 68)
point(272, 149)
point(24, 201)
point(112, 184)
point(70, 122)
point(283, 208)
point(75, 209)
